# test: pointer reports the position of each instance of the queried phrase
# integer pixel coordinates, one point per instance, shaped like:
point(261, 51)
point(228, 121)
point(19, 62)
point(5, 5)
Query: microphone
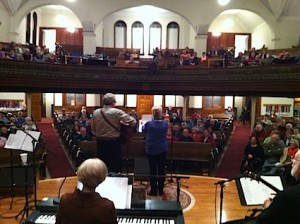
point(57, 199)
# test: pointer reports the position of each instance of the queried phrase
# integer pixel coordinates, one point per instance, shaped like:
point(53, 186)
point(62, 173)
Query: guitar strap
point(105, 118)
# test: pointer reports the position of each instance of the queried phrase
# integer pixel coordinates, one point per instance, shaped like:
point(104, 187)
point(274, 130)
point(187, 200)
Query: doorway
point(241, 44)
point(49, 39)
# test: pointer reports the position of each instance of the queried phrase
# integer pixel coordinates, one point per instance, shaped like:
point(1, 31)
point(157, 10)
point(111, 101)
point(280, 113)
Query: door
point(144, 104)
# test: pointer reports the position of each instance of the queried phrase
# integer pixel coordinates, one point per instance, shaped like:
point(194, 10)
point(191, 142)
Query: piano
point(141, 211)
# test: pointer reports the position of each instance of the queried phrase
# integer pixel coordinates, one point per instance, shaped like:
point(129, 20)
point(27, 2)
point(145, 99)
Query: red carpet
point(230, 165)
point(57, 161)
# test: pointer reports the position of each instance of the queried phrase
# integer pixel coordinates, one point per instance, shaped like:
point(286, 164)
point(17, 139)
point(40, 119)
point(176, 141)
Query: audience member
point(259, 132)
point(185, 137)
point(272, 151)
point(253, 158)
point(20, 120)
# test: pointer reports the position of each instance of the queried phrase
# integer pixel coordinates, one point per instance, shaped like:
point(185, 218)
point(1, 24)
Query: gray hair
point(109, 99)
point(92, 172)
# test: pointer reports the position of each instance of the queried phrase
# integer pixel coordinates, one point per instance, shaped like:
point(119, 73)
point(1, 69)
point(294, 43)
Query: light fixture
point(223, 2)
point(216, 34)
point(71, 29)
point(71, 1)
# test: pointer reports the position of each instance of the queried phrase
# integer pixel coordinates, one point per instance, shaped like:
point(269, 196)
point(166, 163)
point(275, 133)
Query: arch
point(172, 35)
point(137, 37)
point(120, 34)
point(244, 22)
point(155, 36)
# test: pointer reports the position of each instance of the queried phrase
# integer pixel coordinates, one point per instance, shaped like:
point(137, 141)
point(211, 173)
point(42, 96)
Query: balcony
point(275, 80)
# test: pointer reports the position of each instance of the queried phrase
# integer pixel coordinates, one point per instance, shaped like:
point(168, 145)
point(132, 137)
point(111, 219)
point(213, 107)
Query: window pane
point(138, 36)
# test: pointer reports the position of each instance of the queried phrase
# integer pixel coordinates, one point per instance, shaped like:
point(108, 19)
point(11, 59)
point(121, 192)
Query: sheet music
point(115, 189)
point(255, 192)
point(21, 141)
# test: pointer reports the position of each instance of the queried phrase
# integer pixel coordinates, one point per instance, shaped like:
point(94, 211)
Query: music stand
point(25, 141)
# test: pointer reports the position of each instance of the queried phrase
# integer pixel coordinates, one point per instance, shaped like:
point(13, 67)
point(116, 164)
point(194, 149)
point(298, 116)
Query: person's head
point(20, 113)
point(157, 112)
point(295, 172)
point(109, 99)
point(275, 138)
point(83, 131)
point(185, 132)
point(294, 144)
point(92, 172)
point(253, 140)
point(258, 128)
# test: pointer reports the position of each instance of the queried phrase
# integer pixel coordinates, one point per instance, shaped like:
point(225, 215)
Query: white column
point(185, 105)
point(89, 42)
point(28, 101)
point(253, 112)
point(200, 43)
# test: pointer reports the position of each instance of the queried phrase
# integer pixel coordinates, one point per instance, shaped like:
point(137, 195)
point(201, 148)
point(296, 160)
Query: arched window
point(137, 40)
point(154, 36)
point(173, 35)
point(120, 34)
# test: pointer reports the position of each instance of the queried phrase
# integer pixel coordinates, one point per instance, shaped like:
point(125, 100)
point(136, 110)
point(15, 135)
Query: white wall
point(277, 100)
point(12, 96)
point(4, 26)
point(262, 35)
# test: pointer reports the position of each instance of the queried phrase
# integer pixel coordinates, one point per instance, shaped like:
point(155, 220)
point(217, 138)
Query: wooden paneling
point(227, 40)
point(36, 106)
point(144, 104)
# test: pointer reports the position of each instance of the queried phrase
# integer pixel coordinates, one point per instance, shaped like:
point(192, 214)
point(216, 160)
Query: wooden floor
point(204, 189)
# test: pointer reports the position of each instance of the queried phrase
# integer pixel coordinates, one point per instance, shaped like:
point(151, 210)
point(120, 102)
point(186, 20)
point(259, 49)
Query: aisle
point(57, 162)
point(230, 165)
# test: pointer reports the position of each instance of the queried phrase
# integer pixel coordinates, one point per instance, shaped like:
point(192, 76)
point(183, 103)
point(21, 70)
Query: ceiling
point(278, 8)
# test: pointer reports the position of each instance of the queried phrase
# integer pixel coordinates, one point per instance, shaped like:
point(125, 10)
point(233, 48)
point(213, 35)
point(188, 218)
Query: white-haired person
point(285, 206)
point(156, 149)
point(87, 206)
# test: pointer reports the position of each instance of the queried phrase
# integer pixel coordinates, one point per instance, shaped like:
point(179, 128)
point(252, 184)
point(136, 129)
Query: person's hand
point(269, 201)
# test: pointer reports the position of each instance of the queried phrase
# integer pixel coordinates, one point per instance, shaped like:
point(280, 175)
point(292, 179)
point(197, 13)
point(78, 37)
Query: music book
point(22, 141)
point(255, 192)
point(115, 189)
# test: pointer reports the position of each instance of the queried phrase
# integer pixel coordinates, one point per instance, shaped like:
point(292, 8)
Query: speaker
point(141, 169)
point(18, 179)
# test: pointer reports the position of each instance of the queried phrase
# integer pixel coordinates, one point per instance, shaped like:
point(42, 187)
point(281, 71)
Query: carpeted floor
point(57, 162)
point(231, 162)
point(186, 199)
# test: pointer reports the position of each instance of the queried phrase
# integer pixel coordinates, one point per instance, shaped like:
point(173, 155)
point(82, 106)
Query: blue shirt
point(156, 136)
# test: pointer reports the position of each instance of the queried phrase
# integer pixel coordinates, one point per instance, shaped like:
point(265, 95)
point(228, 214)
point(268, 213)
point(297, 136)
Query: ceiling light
point(216, 34)
point(71, 1)
point(223, 2)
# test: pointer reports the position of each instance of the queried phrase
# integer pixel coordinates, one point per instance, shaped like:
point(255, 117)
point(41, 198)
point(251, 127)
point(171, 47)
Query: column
point(28, 100)
point(89, 43)
point(185, 106)
point(253, 112)
point(200, 43)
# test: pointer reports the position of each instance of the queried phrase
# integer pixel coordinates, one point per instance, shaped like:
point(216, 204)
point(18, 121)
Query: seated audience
point(204, 57)
point(20, 120)
point(185, 137)
point(272, 151)
point(3, 119)
point(253, 158)
point(29, 125)
point(83, 136)
point(259, 132)
point(85, 205)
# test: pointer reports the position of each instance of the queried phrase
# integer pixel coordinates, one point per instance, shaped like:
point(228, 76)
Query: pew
point(178, 151)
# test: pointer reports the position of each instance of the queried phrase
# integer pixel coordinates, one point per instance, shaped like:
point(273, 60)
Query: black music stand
point(25, 141)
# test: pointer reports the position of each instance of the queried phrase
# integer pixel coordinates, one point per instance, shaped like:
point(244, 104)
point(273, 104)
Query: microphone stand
point(178, 185)
point(171, 155)
point(222, 185)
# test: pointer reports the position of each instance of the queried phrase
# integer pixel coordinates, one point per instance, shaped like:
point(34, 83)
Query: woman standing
point(156, 149)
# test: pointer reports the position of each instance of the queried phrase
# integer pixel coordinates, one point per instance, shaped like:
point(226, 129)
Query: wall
point(262, 35)
point(277, 100)
point(4, 26)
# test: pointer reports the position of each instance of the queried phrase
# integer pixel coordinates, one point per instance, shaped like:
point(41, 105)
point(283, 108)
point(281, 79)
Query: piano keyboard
point(131, 220)
point(50, 219)
point(46, 219)
point(142, 212)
